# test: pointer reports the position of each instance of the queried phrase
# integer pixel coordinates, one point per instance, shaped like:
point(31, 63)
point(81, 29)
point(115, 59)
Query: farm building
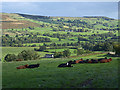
point(49, 56)
point(111, 53)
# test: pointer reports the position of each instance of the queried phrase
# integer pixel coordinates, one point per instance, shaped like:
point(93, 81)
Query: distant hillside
point(105, 18)
point(15, 21)
point(18, 20)
point(58, 32)
point(33, 16)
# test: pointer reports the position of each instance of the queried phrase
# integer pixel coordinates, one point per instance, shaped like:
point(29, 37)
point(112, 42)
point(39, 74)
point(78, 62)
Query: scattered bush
point(10, 57)
point(24, 55)
point(65, 53)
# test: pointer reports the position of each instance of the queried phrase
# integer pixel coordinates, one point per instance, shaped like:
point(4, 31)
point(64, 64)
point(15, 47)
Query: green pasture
point(57, 42)
point(37, 44)
point(16, 50)
point(61, 50)
point(42, 30)
point(48, 75)
point(13, 50)
point(51, 38)
point(54, 40)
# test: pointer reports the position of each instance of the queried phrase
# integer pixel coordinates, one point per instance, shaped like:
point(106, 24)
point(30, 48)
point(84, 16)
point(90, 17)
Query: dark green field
point(48, 75)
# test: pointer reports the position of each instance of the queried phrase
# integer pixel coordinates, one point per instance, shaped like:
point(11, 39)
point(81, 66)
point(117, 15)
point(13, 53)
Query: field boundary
point(89, 54)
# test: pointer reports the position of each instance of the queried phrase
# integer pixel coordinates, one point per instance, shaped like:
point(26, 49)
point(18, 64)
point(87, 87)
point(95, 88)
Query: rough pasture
point(48, 75)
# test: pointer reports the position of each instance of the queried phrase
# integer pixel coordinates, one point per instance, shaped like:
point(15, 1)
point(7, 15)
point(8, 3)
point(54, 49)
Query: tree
point(99, 47)
point(108, 46)
point(24, 55)
point(75, 51)
point(80, 51)
point(20, 56)
point(10, 57)
point(59, 39)
point(20, 44)
point(7, 35)
point(58, 54)
point(16, 36)
point(116, 48)
point(28, 55)
point(42, 48)
point(66, 53)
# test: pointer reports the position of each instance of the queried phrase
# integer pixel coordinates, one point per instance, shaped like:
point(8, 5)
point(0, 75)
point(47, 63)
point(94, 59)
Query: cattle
point(89, 61)
point(77, 61)
point(33, 66)
point(22, 67)
point(94, 61)
point(86, 61)
point(65, 65)
point(110, 59)
point(81, 62)
point(72, 62)
point(103, 61)
point(106, 60)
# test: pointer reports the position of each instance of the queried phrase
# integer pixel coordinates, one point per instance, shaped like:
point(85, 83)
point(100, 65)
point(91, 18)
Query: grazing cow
point(65, 65)
point(22, 67)
point(33, 66)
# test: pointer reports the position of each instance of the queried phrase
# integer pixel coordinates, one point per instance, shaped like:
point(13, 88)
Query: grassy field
point(48, 75)
point(16, 50)
point(61, 50)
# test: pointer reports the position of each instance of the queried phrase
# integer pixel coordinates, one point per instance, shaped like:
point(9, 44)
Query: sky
point(60, 0)
point(72, 9)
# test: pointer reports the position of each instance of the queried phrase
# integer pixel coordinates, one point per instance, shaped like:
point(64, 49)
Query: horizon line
point(63, 16)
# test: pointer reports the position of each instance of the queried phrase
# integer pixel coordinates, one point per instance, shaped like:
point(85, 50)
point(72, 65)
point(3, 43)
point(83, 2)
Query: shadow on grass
point(106, 55)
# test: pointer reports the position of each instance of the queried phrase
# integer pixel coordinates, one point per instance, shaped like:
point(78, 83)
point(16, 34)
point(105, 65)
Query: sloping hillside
point(15, 21)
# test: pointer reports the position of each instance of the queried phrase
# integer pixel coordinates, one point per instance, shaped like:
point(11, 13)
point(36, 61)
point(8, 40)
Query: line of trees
point(24, 55)
point(65, 53)
point(11, 41)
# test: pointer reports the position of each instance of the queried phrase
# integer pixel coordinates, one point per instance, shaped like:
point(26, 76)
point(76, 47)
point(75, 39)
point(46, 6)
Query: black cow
point(94, 61)
point(65, 65)
point(33, 66)
point(86, 61)
point(82, 61)
point(72, 62)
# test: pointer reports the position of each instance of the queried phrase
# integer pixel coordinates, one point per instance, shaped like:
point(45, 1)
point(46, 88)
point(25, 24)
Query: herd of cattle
point(68, 64)
point(101, 60)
